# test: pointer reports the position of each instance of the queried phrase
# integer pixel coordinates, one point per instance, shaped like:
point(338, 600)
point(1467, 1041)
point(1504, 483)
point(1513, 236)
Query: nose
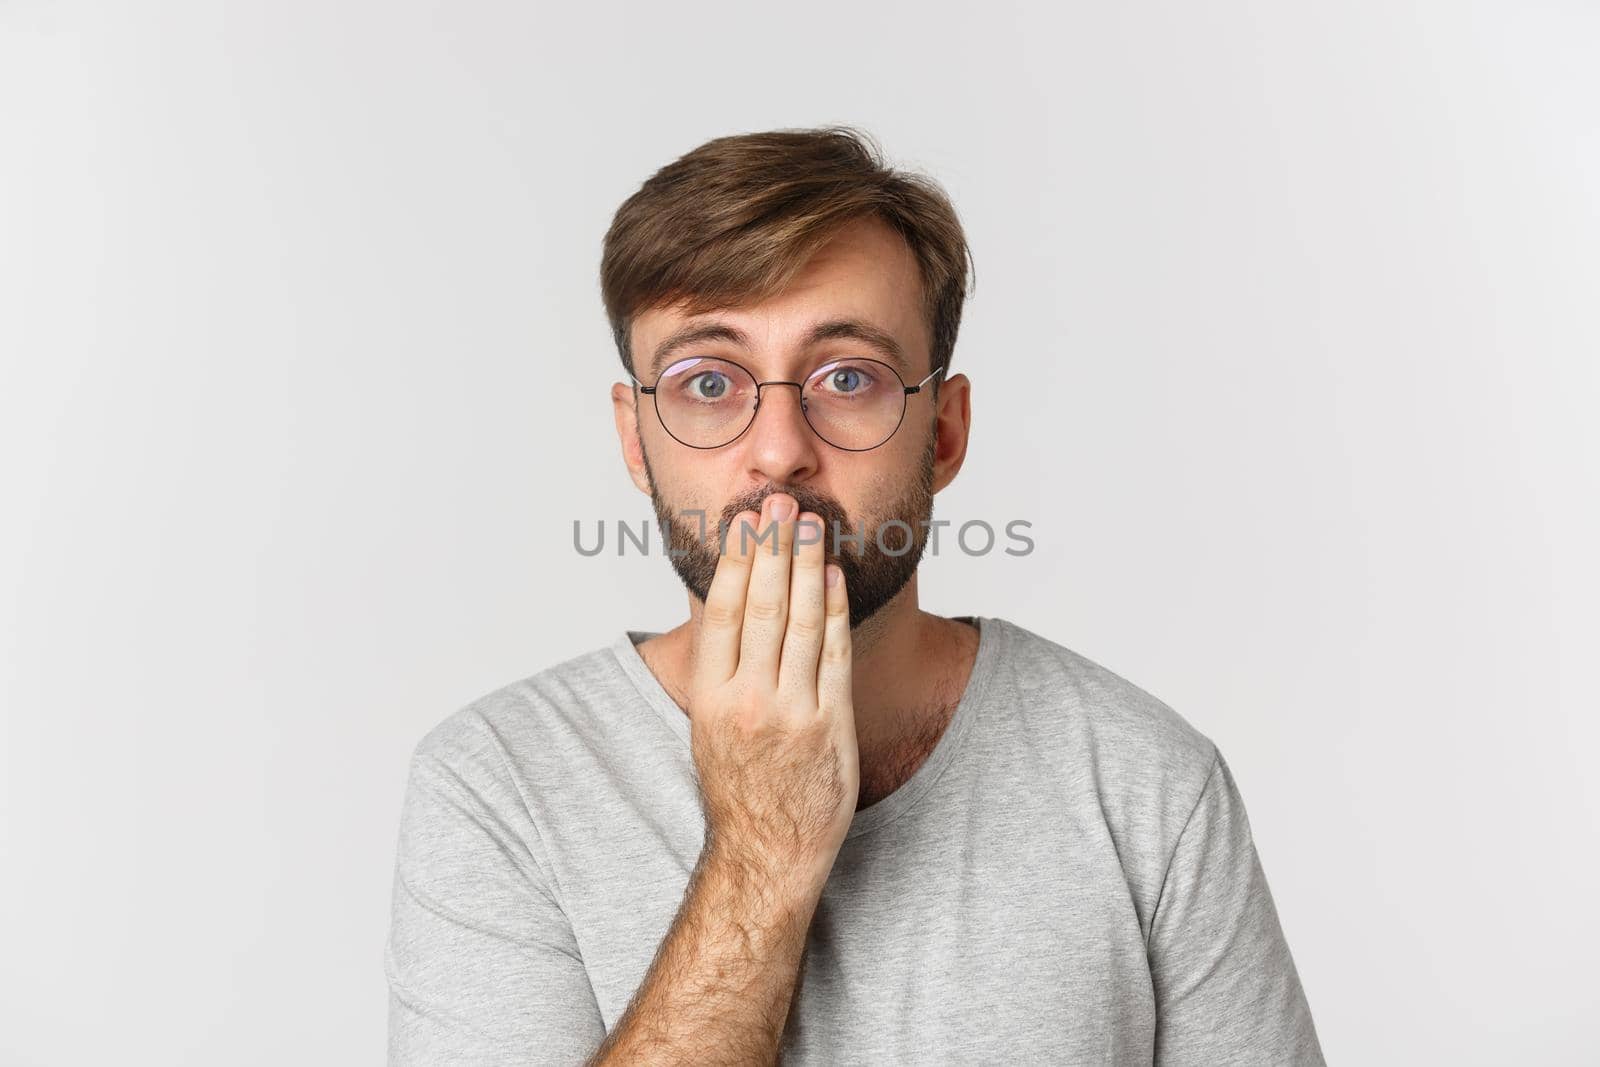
point(779, 444)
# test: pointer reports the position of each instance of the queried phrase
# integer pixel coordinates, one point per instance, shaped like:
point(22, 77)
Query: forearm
point(719, 989)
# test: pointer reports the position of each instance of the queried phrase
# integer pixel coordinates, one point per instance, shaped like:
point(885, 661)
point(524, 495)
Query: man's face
point(866, 274)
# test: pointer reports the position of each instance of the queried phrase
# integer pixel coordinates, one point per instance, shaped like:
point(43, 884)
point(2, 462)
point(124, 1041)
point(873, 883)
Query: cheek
point(903, 455)
point(691, 483)
point(881, 490)
point(864, 490)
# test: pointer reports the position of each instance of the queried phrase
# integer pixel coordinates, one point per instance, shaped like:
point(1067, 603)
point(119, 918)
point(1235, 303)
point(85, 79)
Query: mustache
point(829, 510)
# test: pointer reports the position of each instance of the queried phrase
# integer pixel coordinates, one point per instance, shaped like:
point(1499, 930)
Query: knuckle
point(764, 610)
point(733, 560)
point(805, 626)
point(750, 707)
point(721, 613)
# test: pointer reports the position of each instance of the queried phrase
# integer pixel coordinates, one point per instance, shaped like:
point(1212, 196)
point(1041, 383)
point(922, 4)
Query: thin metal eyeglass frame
point(650, 390)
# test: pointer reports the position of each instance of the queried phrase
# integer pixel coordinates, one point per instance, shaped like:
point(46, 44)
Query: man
point(815, 822)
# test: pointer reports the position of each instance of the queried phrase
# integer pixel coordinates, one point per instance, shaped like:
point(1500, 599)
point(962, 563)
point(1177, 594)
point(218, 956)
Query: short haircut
point(735, 219)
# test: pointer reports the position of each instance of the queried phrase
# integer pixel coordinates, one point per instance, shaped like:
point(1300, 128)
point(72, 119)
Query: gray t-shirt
point(1068, 878)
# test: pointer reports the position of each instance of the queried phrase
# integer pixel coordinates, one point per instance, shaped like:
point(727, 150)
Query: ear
point(952, 425)
point(626, 415)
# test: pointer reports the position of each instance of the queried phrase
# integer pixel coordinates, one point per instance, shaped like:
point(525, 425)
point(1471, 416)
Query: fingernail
point(833, 575)
point(782, 507)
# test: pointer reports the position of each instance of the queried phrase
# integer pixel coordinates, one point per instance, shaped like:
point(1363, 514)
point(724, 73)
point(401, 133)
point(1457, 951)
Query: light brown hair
point(735, 219)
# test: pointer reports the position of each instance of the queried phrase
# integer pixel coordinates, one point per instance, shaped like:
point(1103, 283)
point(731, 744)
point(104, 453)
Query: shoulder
point(1145, 763)
point(531, 719)
point(1063, 685)
point(1117, 753)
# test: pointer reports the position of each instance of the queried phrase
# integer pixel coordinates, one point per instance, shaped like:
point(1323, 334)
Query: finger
point(833, 671)
point(766, 605)
point(802, 639)
point(722, 619)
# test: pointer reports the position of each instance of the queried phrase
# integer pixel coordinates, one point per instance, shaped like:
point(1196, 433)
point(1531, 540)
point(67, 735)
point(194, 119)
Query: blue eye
point(709, 385)
point(840, 380)
point(846, 380)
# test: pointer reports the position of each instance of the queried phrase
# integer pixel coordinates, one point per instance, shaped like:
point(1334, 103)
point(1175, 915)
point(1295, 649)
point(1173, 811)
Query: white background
point(1284, 338)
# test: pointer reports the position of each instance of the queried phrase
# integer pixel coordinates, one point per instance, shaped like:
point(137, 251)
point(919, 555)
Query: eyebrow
point(880, 340)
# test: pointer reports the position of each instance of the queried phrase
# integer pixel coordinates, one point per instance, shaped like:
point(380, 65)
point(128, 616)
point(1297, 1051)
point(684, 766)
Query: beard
point(872, 576)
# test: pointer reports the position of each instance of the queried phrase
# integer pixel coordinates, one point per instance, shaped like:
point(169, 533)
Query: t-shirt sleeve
point(482, 964)
point(1225, 984)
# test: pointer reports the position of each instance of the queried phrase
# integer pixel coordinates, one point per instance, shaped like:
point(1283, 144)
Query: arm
point(774, 744)
point(1226, 986)
point(719, 989)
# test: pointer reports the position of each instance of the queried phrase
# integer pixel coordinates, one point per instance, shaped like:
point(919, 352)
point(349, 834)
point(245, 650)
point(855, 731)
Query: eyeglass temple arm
point(918, 387)
point(643, 388)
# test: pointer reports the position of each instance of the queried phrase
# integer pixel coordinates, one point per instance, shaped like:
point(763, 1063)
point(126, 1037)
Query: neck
point(902, 658)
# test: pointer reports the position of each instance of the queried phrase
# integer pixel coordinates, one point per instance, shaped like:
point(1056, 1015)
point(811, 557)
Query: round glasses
point(853, 403)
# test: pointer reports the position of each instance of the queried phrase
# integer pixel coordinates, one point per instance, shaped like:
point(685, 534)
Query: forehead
point(866, 273)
